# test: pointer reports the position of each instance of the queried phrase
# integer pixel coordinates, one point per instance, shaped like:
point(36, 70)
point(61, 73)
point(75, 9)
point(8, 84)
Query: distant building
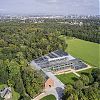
point(6, 93)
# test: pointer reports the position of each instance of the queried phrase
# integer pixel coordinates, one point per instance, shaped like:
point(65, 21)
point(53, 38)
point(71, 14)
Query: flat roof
point(53, 56)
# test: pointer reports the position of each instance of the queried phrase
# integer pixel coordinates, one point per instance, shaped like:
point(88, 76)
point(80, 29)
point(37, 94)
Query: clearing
point(86, 51)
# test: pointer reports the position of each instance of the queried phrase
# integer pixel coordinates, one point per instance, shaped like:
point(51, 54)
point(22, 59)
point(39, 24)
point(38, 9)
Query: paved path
point(58, 88)
point(73, 71)
point(50, 91)
point(40, 96)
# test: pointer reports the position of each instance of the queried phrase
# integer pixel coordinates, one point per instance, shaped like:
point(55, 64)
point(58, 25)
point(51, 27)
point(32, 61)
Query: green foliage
point(24, 97)
point(85, 79)
point(15, 95)
point(87, 51)
point(82, 89)
point(3, 72)
point(33, 81)
point(78, 84)
point(20, 44)
point(70, 93)
point(49, 97)
point(96, 74)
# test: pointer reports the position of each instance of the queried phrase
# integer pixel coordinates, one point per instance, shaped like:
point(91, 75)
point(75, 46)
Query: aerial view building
point(52, 63)
point(59, 60)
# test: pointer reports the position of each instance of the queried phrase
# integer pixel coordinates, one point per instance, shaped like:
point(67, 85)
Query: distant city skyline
point(50, 7)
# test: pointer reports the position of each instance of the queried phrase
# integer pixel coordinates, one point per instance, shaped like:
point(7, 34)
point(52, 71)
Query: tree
point(78, 85)
point(90, 94)
point(96, 74)
point(85, 79)
point(33, 81)
point(3, 72)
point(96, 85)
point(91, 79)
point(69, 93)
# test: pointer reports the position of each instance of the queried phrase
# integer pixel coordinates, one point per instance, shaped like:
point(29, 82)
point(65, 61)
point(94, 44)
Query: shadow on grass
point(74, 78)
point(85, 73)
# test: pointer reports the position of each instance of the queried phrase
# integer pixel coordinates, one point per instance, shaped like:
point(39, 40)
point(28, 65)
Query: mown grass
point(68, 78)
point(89, 52)
point(49, 97)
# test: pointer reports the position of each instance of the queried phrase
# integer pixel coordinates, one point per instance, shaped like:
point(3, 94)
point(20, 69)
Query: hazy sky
point(60, 7)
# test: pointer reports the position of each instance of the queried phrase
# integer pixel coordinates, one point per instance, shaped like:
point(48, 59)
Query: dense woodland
point(19, 45)
point(22, 42)
point(87, 87)
point(89, 30)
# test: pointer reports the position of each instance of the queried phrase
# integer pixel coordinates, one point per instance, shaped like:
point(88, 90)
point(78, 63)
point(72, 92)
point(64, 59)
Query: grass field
point(49, 97)
point(87, 51)
point(67, 78)
point(70, 78)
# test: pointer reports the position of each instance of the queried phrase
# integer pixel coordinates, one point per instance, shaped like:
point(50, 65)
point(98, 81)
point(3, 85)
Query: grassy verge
point(49, 97)
point(67, 78)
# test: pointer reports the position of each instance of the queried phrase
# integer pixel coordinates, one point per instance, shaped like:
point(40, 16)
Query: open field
point(68, 78)
point(87, 51)
point(49, 97)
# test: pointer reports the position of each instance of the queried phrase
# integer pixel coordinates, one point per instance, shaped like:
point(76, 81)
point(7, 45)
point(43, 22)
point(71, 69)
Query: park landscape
point(20, 43)
point(89, 52)
point(83, 50)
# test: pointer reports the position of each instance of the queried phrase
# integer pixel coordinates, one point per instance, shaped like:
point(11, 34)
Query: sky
point(52, 7)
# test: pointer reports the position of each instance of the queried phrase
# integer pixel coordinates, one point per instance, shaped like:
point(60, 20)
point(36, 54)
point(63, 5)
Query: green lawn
point(15, 95)
point(70, 77)
point(67, 78)
point(87, 51)
point(49, 97)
